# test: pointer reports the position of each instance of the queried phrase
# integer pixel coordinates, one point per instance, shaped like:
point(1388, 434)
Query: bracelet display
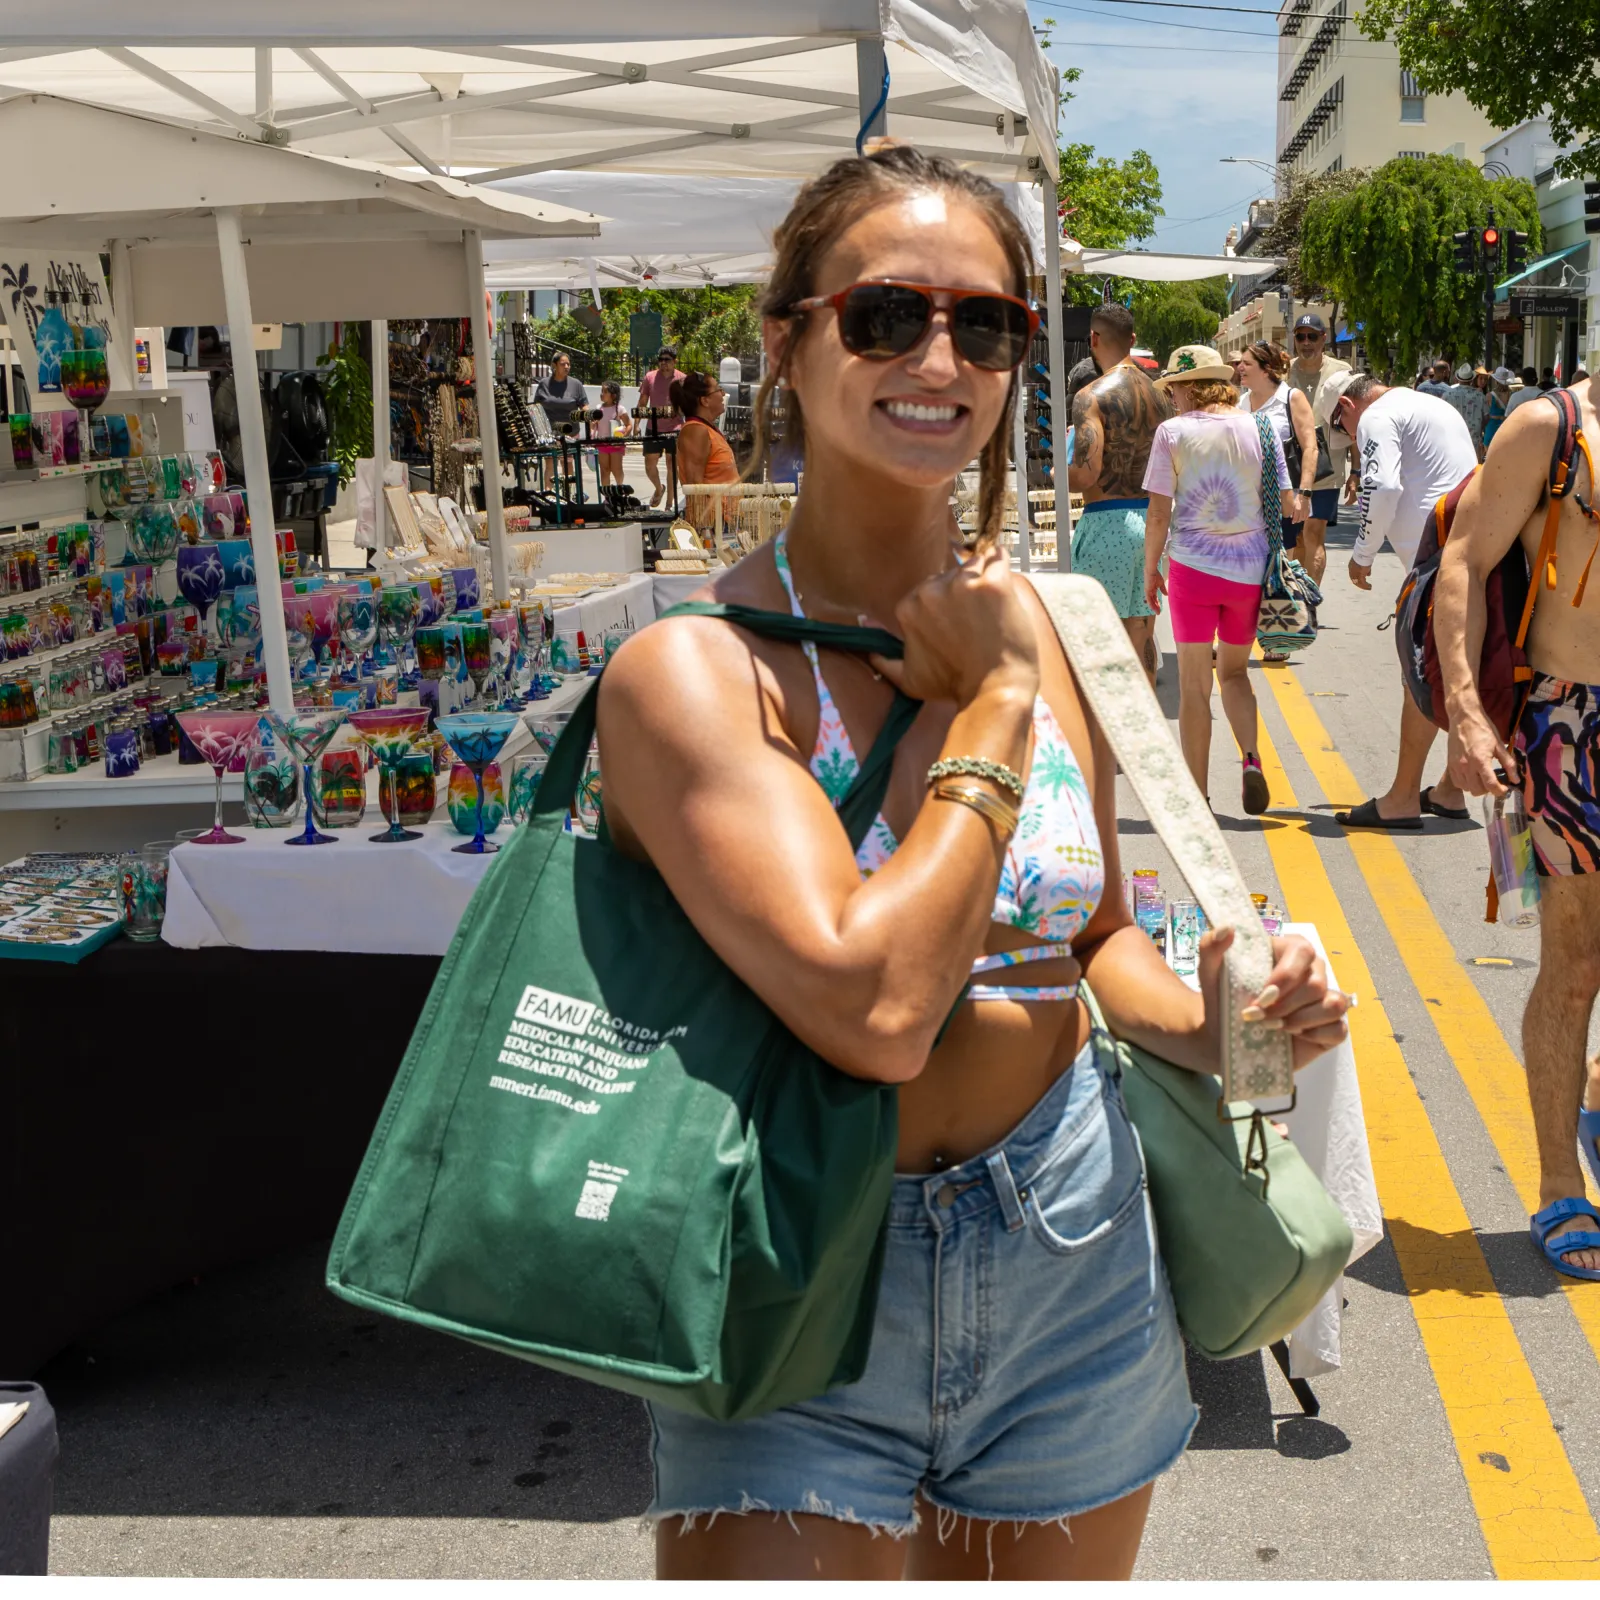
point(1001, 816)
point(976, 767)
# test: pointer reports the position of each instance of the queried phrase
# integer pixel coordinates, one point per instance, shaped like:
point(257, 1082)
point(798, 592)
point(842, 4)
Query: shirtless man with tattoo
point(1115, 418)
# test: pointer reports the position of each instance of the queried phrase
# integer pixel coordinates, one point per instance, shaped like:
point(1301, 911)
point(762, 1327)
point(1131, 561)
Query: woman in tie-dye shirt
point(1205, 483)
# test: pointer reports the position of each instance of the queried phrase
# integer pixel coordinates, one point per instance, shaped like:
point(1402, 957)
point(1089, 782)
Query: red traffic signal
point(1491, 238)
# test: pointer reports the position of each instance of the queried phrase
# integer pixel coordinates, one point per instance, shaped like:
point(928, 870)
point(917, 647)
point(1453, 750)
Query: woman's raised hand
point(967, 633)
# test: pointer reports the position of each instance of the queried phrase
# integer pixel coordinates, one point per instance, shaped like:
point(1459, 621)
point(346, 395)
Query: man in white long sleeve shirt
point(1414, 449)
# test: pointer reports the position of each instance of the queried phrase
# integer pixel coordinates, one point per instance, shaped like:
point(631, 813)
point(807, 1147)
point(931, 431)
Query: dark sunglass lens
point(990, 332)
point(882, 320)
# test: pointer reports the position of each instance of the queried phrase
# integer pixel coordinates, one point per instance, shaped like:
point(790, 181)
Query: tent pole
point(1019, 458)
point(257, 474)
point(872, 67)
point(380, 431)
point(125, 371)
point(1059, 419)
point(488, 433)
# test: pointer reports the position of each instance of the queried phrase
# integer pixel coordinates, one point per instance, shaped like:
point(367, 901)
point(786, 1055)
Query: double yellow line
point(1530, 1505)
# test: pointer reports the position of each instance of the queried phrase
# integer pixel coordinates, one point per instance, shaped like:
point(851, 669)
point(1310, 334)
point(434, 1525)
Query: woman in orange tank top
point(704, 454)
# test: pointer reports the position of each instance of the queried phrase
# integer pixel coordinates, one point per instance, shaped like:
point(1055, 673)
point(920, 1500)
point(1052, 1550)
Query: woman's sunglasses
point(880, 321)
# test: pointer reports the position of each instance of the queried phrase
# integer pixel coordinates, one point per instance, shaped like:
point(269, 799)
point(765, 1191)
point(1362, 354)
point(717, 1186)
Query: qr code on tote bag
point(599, 1190)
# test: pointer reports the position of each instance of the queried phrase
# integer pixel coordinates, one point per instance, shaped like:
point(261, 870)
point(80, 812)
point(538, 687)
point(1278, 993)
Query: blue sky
point(1188, 86)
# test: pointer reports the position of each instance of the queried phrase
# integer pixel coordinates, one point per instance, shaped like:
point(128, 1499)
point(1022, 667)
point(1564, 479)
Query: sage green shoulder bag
point(1250, 1238)
point(602, 1151)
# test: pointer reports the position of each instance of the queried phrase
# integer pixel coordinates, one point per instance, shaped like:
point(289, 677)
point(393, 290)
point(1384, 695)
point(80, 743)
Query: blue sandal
point(1589, 1142)
point(1546, 1223)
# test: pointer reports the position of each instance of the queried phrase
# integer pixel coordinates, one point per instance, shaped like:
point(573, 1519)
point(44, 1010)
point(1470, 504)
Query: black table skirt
point(166, 1112)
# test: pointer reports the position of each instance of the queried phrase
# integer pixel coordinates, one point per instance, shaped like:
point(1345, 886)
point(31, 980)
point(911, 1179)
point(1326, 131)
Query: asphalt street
point(250, 1425)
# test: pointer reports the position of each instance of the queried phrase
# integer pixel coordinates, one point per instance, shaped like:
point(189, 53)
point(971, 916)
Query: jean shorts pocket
point(1093, 1187)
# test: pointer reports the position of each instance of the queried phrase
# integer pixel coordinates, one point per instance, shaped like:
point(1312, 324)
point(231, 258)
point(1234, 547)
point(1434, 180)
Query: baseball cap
point(1310, 320)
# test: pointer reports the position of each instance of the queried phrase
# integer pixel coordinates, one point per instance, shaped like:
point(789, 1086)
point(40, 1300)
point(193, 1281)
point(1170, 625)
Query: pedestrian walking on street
point(1524, 391)
point(1435, 380)
point(1113, 421)
point(1554, 756)
point(1414, 449)
point(1205, 482)
point(1467, 397)
point(1500, 382)
point(655, 392)
point(1316, 375)
point(1026, 1382)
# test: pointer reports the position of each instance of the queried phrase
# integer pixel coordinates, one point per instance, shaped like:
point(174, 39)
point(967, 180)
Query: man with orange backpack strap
point(1536, 489)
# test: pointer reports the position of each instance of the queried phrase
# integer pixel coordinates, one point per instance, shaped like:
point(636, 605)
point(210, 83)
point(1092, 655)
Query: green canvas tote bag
point(603, 1153)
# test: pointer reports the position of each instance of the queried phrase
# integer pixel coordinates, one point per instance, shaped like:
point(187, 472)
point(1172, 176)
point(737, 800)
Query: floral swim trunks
point(1558, 743)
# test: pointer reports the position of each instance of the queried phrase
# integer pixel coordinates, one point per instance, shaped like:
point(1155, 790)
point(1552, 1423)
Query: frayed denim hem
point(811, 1505)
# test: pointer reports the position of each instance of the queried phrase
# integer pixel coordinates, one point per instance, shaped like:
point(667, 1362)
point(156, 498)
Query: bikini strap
point(780, 556)
point(1019, 958)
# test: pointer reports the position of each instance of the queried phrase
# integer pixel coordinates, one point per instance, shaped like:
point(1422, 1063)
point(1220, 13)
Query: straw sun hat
point(1194, 363)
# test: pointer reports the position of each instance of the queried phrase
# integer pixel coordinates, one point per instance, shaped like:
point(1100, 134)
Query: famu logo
point(553, 1010)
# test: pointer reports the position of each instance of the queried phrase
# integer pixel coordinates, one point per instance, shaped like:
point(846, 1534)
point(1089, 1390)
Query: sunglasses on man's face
point(882, 321)
point(1307, 338)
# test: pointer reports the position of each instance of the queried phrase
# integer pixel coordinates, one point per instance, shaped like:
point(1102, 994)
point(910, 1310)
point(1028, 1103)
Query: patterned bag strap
point(1257, 1062)
point(1271, 499)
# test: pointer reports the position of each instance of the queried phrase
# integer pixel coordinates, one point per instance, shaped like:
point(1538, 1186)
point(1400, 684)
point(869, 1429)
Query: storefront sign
point(1543, 303)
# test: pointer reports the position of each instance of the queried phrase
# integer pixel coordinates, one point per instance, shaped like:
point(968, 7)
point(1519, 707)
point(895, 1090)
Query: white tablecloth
point(1330, 1131)
point(264, 894)
point(627, 605)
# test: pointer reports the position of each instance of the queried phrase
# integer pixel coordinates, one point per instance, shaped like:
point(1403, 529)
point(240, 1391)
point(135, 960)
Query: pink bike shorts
point(1206, 608)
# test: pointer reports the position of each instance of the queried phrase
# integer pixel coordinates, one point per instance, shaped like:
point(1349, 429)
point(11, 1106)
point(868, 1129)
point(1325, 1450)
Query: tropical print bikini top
point(1054, 872)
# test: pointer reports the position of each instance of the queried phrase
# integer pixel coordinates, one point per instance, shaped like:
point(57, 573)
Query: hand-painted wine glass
point(477, 737)
point(153, 531)
point(429, 643)
point(316, 615)
point(358, 623)
point(477, 654)
point(200, 576)
point(391, 734)
point(399, 609)
point(221, 737)
point(308, 732)
point(244, 634)
point(86, 381)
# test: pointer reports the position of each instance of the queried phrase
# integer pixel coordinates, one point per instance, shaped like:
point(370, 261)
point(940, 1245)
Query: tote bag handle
point(864, 799)
point(1257, 1062)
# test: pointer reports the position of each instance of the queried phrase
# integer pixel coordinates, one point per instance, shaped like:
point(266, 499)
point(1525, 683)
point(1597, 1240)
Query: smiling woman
point(1025, 1366)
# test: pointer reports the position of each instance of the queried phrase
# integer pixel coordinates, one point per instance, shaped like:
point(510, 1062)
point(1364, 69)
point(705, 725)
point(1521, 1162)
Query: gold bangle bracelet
point(1000, 816)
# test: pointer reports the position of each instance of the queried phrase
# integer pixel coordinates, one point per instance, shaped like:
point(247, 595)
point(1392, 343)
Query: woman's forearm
point(1145, 1002)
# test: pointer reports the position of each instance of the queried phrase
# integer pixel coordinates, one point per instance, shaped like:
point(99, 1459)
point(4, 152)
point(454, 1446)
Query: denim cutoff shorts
point(1026, 1363)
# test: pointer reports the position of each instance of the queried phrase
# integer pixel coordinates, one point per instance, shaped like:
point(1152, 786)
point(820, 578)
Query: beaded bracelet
point(1001, 816)
point(976, 767)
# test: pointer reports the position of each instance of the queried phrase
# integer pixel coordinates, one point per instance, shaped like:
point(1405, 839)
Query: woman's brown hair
point(1272, 358)
point(822, 211)
point(1203, 392)
point(687, 393)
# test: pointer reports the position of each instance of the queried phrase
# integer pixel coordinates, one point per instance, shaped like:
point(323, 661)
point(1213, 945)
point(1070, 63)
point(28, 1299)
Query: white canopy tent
point(208, 227)
point(1157, 266)
point(499, 89)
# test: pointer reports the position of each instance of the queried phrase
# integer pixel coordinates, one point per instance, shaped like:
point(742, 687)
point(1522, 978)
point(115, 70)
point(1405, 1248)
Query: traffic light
point(1466, 251)
point(1517, 250)
point(1591, 208)
point(1491, 249)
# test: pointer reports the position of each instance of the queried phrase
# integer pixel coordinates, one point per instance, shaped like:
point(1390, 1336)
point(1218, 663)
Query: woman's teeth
point(908, 412)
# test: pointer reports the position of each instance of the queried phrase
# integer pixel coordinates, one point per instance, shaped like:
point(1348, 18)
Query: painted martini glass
point(221, 737)
point(477, 737)
point(308, 733)
point(391, 734)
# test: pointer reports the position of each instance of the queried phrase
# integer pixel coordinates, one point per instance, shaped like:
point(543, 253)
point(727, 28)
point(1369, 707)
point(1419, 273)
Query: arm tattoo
point(1129, 409)
point(1086, 435)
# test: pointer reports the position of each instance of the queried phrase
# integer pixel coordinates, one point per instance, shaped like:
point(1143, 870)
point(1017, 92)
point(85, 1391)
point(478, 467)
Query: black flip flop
point(1366, 815)
point(1450, 813)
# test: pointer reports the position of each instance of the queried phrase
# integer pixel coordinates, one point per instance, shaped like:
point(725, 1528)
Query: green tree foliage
point(705, 324)
point(1513, 59)
point(1297, 191)
point(1384, 249)
point(1166, 315)
point(1108, 203)
point(347, 393)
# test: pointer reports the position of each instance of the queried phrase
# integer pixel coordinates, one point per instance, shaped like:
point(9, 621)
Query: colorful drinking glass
point(358, 623)
point(153, 532)
point(308, 732)
point(461, 798)
point(200, 574)
point(399, 609)
point(429, 643)
point(526, 772)
point(391, 734)
point(477, 653)
point(477, 738)
point(220, 737)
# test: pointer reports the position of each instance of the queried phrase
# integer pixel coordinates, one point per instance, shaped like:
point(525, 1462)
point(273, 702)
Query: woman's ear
point(777, 335)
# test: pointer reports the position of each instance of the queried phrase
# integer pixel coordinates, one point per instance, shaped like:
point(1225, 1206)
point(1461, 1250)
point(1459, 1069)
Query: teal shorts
point(1108, 544)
